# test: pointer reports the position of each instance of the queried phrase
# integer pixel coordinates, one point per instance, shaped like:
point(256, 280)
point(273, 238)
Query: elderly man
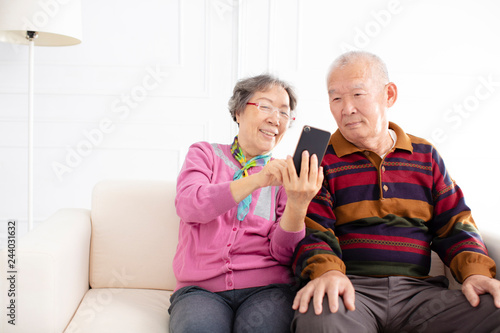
point(386, 202)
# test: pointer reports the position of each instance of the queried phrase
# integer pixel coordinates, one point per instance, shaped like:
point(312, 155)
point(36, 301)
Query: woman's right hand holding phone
point(300, 190)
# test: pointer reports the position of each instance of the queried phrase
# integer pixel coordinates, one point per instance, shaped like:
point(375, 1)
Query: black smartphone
point(315, 141)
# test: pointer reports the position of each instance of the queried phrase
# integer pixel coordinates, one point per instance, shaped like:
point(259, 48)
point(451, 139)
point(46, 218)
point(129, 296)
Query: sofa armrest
point(52, 273)
point(492, 241)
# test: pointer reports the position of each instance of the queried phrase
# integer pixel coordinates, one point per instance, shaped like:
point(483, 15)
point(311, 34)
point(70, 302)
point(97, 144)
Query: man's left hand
point(476, 285)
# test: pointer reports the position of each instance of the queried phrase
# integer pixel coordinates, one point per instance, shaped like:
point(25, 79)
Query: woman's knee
point(199, 310)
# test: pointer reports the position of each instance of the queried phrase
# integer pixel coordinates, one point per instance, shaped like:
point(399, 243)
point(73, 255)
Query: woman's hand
point(270, 175)
point(300, 190)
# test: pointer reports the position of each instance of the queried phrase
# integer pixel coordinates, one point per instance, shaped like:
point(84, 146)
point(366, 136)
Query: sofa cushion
point(122, 310)
point(439, 268)
point(134, 234)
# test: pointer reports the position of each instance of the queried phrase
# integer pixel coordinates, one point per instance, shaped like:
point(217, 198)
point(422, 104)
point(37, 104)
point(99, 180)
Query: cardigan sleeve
point(198, 200)
point(283, 243)
point(319, 251)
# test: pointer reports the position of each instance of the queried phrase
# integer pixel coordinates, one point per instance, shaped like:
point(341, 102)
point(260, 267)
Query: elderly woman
point(242, 214)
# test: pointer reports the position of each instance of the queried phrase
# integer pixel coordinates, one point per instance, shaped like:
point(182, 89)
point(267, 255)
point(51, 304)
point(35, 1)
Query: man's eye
point(335, 99)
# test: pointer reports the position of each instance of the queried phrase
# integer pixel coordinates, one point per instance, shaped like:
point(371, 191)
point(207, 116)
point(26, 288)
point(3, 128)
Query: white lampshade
point(57, 22)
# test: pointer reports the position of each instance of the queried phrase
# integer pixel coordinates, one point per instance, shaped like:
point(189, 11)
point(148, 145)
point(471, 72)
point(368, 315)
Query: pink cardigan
point(216, 251)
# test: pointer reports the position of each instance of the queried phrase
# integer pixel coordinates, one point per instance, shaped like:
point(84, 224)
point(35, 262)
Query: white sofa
point(107, 269)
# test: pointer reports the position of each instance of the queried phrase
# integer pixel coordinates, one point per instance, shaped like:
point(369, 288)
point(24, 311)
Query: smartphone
point(315, 141)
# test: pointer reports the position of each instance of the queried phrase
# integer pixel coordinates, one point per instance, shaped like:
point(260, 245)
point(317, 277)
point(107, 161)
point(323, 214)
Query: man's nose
point(348, 105)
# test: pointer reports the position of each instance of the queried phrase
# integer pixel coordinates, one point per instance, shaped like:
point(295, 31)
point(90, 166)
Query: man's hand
point(332, 283)
point(476, 285)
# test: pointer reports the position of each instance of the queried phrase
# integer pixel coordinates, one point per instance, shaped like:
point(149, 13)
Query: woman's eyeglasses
point(284, 114)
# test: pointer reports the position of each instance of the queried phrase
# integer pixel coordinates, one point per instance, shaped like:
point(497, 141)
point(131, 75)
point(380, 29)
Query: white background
point(151, 77)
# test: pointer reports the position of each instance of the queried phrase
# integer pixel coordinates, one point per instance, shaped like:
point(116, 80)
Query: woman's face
point(260, 132)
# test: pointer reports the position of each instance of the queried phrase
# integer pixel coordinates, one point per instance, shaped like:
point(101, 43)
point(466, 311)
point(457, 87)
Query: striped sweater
point(382, 217)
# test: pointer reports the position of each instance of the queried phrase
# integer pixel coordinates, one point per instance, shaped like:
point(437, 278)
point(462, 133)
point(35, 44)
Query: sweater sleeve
point(456, 237)
point(283, 243)
point(319, 251)
point(198, 200)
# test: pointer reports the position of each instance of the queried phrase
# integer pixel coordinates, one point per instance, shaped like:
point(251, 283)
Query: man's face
point(359, 102)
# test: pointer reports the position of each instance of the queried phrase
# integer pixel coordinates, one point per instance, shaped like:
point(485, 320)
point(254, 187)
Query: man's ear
point(392, 93)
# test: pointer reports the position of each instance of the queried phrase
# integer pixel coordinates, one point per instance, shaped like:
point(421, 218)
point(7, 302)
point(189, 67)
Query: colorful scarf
point(261, 160)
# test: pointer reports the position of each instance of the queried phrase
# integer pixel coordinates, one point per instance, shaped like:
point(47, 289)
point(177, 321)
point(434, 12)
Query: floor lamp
point(40, 23)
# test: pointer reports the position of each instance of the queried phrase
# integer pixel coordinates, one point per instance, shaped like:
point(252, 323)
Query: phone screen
point(315, 141)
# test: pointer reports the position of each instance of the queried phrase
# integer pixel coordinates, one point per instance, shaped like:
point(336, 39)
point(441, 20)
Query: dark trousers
point(265, 309)
point(402, 304)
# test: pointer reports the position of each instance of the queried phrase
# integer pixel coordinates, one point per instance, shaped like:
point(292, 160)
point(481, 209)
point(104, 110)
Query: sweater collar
point(343, 147)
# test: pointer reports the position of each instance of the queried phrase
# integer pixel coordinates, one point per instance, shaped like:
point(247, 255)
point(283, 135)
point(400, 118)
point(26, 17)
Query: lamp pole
point(30, 35)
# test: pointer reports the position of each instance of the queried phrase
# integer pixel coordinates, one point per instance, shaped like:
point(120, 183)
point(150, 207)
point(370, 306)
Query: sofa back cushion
point(134, 234)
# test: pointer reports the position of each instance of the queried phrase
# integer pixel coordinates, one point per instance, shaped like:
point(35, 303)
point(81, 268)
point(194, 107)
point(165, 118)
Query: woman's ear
point(237, 116)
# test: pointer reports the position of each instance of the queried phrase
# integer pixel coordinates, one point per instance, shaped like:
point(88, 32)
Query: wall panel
point(159, 73)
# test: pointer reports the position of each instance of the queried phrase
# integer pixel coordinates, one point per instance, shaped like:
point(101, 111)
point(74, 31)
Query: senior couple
point(356, 231)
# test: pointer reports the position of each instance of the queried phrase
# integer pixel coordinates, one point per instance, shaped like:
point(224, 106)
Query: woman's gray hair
point(246, 88)
point(377, 64)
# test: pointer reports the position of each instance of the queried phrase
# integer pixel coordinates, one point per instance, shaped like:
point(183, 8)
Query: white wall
point(151, 77)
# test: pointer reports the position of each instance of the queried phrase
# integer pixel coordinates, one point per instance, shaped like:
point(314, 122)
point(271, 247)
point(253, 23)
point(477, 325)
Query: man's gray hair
point(377, 64)
point(246, 88)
